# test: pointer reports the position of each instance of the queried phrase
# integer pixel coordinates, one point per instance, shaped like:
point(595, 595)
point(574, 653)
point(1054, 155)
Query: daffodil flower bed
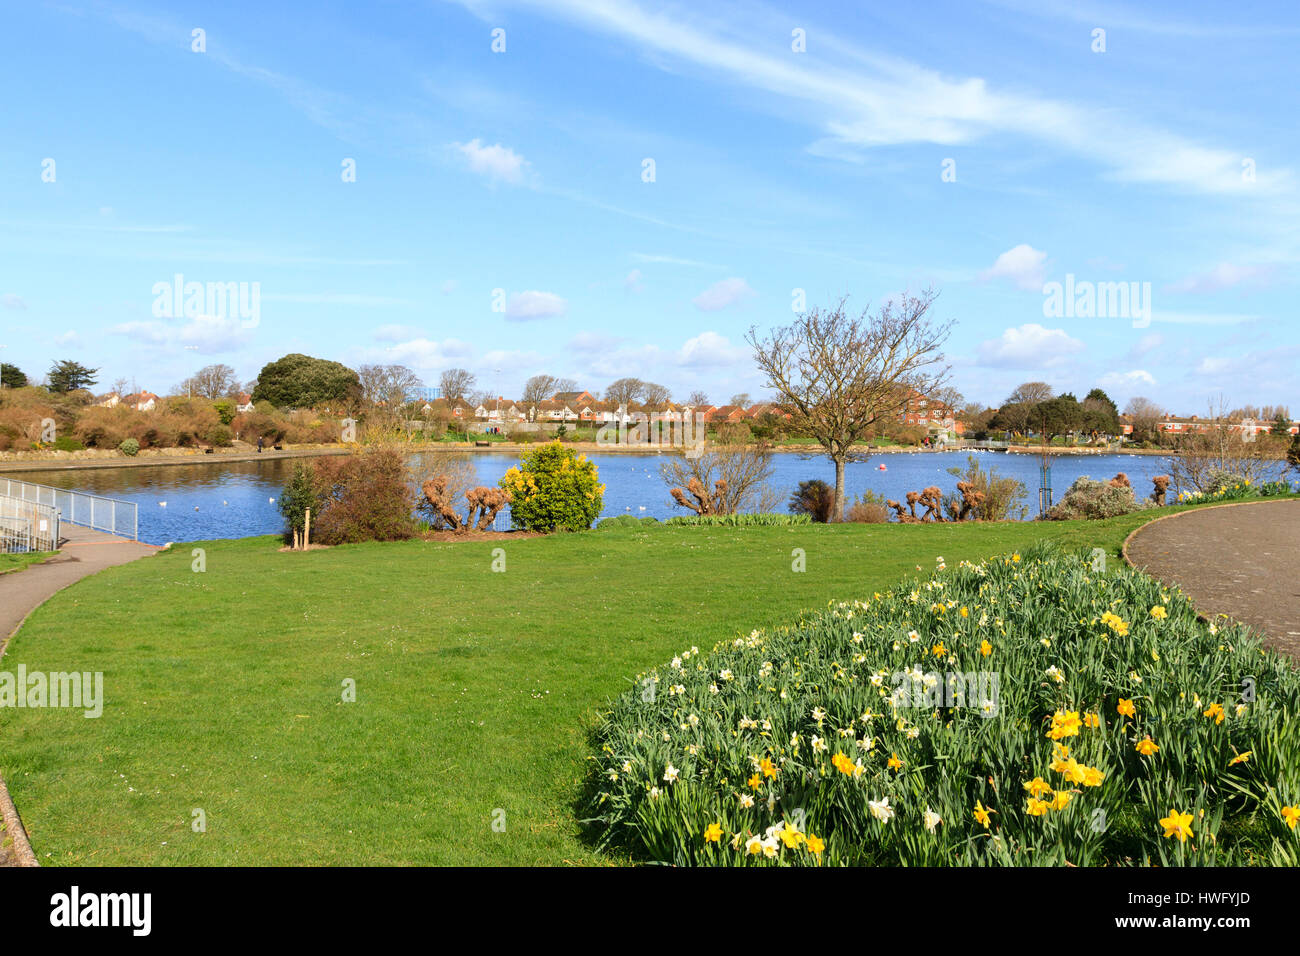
point(1237, 491)
point(1027, 710)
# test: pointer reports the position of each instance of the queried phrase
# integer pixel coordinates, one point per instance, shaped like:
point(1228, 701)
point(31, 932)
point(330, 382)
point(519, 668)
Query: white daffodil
point(881, 810)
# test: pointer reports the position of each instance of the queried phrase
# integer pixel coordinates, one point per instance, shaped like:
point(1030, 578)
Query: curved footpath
point(1242, 560)
point(84, 552)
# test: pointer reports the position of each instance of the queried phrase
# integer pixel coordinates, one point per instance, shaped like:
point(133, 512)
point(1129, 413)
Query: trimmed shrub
point(1003, 498)
point(928, 726)
point(870, 508)
point(129, 446)
point(814, 498)
point(1096, 499)
point(219, 436)
point(553, 489)
point(365, 497)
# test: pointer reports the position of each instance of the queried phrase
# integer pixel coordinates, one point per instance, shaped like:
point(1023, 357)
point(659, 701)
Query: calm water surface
point(237, 499)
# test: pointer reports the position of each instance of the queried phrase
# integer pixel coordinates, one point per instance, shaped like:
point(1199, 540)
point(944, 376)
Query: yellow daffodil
point(982, 815)
point(986, 648)
point(1216, 711)
point(1092, 720)
point(768, 768)
point(713, 834)
point(1038, 786)
point(791, 837)
point(1159, 612)
point(1092, 777)
point(815, 844)
point(1126, 708)
point(893, 763)
point(1178, 824)
point(1036, 807)
point(1061, 799)
point(1241, 757)
point(1146, 747)
point(1064, 724)
point(1291, 815)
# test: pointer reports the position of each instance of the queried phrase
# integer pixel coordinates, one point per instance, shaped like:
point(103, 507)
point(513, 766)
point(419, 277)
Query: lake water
point(236, 499)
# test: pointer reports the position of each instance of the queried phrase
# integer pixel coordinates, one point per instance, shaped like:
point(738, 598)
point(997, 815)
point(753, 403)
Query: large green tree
point(11, 376)
point(301, 381)
point(1100, 414)
point(68, 376)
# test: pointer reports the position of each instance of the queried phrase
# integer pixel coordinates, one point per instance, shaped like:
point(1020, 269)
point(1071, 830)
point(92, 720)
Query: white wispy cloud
point(527, 306)
point(1225, 275)
point(868, 100)
point(1127, 379)
point(1029, 346)
point(333, 298)
point(722, 294)
point(498, 163)
point(709, 349)
point(1023, 264)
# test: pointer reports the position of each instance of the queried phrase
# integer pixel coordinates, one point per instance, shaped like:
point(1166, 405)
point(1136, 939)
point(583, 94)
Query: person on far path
point(259, 444)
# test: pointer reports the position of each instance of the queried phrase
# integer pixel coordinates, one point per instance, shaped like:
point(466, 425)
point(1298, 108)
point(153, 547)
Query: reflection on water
point(237, 499)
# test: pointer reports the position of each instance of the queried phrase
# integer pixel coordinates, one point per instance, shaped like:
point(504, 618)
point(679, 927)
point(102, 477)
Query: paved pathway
point(1242, 560)
point(83, 553)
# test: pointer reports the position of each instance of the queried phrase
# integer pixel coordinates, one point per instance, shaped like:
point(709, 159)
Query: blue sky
point(1168, 159)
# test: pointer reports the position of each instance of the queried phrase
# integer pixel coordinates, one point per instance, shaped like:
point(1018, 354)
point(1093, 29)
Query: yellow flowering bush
point(1098, 732)
point(554, 489)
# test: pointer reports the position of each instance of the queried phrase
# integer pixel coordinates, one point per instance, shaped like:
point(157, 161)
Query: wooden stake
point(306, 534)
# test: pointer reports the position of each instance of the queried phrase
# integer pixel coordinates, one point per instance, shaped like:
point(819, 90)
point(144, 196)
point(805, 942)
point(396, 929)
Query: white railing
point(76, 507)
point(27, 525)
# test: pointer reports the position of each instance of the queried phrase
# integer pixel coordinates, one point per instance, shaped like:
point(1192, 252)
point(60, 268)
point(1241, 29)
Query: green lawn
point(16, 562)
point(475, 689)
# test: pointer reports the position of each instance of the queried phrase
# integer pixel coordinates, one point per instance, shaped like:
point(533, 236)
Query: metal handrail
point(39, 529)
point(77, 507)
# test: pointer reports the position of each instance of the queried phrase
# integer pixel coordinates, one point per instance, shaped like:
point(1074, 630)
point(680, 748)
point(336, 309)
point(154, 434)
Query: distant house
point(553, 410)
point(574, 399)
point(1247, 428)
point(111, 400)
point(141, 401)
point(930, 414)
point(245, 402)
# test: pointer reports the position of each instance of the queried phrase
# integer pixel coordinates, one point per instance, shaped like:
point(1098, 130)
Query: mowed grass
point(475, 690)
point(10, 563)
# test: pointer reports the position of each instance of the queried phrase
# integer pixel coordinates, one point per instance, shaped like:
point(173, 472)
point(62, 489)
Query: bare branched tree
point(836, 375)
point(1030, 393)
point(538, 389)
point(1207, 460)
point(655, 397)
point(388, 385)
point(624, 391)
point(456, 383)
point(697, 399)
point(729, 477)
point(1143, 414)
point(211, 382)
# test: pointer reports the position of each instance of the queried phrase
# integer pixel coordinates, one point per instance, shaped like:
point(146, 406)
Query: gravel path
point(1242, 560)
